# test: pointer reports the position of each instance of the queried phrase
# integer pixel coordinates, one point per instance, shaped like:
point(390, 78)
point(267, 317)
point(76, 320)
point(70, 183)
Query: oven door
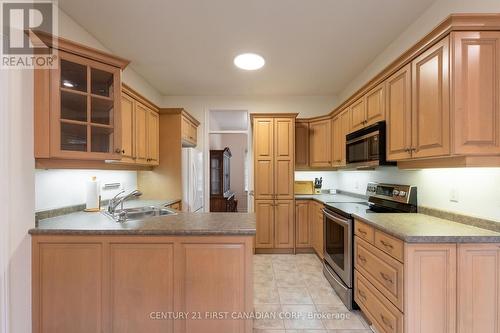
point(364, 149)
point(338, 245)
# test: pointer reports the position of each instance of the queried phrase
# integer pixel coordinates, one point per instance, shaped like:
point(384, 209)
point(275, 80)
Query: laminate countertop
point(83, 223)
point(420, 228)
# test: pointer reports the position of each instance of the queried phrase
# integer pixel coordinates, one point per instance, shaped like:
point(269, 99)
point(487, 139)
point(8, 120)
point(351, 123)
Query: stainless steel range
point(339, 235)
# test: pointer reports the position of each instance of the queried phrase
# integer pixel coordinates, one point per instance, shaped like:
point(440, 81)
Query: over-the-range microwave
point(366, 147)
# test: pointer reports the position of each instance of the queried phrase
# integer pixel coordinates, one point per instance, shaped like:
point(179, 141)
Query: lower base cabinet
point(447, 288)
point(140, 283)
point(275, 224)
point(316, 220)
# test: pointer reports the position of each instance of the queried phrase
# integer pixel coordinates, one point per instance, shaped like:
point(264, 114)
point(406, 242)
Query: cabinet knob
point(123, 151)
point(118, 150)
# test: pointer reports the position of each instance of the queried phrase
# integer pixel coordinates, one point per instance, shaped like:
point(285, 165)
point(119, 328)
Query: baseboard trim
point(273, 251)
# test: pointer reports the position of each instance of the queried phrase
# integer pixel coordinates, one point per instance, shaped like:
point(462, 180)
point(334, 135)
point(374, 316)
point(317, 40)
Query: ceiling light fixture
point(249, 61)
point(68, 84)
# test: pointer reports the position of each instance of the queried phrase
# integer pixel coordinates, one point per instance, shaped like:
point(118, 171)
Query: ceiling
point(186, 47)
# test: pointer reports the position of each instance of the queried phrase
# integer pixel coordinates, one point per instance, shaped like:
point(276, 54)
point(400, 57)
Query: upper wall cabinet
point(140, 130)
point(301, 145)
point(368, 109)
point(423, 129)
point(476, 94)
point(78, 105)
point(320, 151)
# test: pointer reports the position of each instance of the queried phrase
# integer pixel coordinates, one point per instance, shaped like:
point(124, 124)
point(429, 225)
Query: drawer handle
point(386, 322)
point(386, 278)
point(362, 259)
point(362, 294)
point(362, 231)
point(388, 245)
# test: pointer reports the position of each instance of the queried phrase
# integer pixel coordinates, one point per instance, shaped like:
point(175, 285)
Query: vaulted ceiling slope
point(186, 47)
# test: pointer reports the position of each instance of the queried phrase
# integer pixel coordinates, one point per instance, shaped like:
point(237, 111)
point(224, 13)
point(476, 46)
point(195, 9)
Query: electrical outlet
point(454, 195)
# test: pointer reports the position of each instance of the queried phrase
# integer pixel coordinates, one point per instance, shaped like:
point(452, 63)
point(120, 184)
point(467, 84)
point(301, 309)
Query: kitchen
point(406, 151)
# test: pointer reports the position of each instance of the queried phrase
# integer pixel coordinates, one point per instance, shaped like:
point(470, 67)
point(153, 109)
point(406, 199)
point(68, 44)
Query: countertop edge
point(431, 239)
point(70, 232)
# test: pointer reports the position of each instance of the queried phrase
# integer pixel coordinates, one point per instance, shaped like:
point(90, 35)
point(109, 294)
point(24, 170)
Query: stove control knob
point(402, 193)
point(395, 193)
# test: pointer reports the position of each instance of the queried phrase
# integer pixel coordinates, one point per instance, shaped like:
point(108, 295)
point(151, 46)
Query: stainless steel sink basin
point(134, 214)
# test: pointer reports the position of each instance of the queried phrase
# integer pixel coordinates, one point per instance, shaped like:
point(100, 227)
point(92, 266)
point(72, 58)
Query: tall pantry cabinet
point(274, 166)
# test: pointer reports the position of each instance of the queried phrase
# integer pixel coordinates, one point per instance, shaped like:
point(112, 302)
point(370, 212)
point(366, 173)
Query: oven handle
point(335, 218)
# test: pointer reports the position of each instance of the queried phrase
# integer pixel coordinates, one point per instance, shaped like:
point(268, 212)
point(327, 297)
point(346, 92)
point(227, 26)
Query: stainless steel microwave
point(366, 147)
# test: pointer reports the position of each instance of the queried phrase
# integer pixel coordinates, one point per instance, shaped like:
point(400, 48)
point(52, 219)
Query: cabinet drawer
point(384, 316)
point(385, 272)
point(390, 245)
point(364, 231)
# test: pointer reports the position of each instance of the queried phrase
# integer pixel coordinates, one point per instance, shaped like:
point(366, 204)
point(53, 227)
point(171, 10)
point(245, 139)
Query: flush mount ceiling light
point(249, 61)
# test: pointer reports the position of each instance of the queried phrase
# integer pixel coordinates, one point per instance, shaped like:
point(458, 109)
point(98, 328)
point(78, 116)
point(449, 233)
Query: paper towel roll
point(93, 195)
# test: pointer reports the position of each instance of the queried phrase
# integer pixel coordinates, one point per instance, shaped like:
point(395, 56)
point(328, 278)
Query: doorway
point(228, 130)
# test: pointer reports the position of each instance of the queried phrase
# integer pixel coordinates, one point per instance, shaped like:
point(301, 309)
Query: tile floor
point(292, 296)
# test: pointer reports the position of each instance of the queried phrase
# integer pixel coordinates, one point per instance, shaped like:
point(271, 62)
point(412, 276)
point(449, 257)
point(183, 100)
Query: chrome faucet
point(117, 200)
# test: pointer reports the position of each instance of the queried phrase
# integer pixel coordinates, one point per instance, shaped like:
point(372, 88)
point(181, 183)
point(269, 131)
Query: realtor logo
point(21, 47)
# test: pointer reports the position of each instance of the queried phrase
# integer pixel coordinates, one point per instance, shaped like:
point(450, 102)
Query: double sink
point(140, 213)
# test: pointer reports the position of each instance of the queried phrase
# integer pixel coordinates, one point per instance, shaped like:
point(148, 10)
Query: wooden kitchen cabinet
point(120, 283)
point(140, 130)
point(375, 105)
point(274, 166)
point(78, 107)
point(341, 125)
point(358, 114)
point(189, 131)
point(301, 145)
point(316, 220)
point(284, 212)
point(430, 102)
point(398, 113)
point(478, 299)
point(320, 151)
point(302, 224)
point(476, 112)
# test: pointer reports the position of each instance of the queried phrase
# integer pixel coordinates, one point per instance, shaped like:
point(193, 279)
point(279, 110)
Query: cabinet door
point(337, 142)
point(319, 231)
point(186, 129)
point(345, 119)
point(358, 114)
point(320, 143)
point(70, 288)
point(212, 279)
point(301, 145)
point(263, 147)
point(264, 213)
point(85, 104)
point(134, 266)
point(141, 133)
point(478, 288)
point(476, 95)
point(375, 104)
point(398, 114)
point(302, 223)
point(284, 162)
point(430, 288)
point(284, 224)
point(128, 126)
point(194, 133)
point(153, 138)
point(430, 102)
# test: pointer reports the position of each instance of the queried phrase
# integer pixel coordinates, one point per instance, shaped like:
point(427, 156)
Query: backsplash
point(63, 188)
point(474, 191)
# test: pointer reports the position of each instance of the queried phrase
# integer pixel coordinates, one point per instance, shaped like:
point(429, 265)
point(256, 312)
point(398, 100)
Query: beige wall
point(418, 29)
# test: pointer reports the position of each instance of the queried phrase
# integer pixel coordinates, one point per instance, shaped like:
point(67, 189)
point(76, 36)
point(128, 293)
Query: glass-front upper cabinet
point(85, 104)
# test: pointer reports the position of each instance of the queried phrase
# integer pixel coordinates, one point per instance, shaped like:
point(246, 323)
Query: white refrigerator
point(192, 180)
